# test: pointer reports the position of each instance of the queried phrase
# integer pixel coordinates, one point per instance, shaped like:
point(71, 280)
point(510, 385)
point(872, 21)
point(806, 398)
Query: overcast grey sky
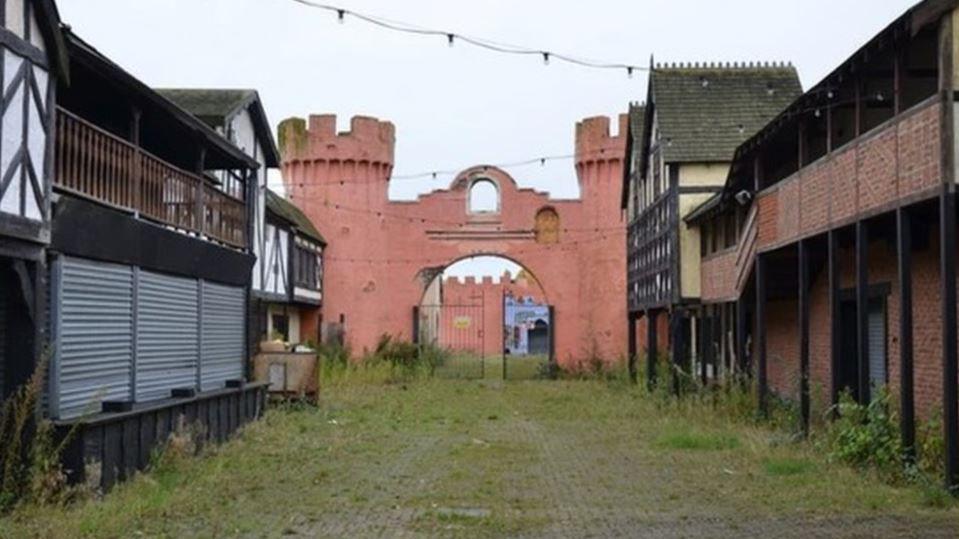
point(463, 106)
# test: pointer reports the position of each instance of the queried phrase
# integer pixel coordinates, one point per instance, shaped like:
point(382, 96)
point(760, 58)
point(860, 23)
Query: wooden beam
point(862, 309)
point(763, 388)
point(857, 99)
point(804, 335)
point(705, 329)
point(835, 316)
point(631, 346)
point(907, 418)
point(801, 144)
point(947, 261)
point(651, 348)
point(743, 363)
point(676, 344)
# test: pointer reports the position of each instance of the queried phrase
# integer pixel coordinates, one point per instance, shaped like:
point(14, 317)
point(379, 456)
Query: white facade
point(24, 181)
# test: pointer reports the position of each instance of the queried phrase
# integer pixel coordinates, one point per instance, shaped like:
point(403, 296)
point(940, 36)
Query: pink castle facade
point(383, 254)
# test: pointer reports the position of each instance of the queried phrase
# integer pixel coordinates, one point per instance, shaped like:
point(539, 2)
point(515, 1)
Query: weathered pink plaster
point(382, 254)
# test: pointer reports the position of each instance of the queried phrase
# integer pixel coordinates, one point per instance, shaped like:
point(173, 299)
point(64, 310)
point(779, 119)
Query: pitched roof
point(705, 113)
point(210, 105)
point(215, 105)
point(286, 210)
point(634, 139)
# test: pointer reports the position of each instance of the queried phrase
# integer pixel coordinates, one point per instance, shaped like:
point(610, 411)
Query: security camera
point(743, 197)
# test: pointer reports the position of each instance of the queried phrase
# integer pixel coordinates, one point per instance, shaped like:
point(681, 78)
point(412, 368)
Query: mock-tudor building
point(149, 256)
point(679, 149)
point(844, 271)
point(33, 56)
point(287, 280)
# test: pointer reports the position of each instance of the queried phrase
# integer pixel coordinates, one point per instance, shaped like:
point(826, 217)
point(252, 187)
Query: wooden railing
point(95, 164)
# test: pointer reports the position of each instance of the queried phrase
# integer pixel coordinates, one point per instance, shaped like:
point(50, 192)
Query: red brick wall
point(783, 329)
point(718, 277)
point(894, 162)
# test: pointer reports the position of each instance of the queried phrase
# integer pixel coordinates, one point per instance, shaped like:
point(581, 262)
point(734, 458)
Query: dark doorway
point(17, 335)
point(849, 360)
point(539, 338)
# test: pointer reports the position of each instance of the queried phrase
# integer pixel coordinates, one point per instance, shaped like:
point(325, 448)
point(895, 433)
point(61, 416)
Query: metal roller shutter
point(223, 334)
point(94, 336)
point(877, 343)
point(167, 342)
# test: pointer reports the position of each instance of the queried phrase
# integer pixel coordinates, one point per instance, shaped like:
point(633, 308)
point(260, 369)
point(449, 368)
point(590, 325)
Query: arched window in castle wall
point(547, 226)
point(483, 197)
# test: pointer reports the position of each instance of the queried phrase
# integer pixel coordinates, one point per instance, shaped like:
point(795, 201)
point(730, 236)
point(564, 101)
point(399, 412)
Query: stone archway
point(380, 250)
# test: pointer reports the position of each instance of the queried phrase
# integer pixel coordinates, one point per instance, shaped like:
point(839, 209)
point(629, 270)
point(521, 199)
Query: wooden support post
point(651, 348)
point(198, 217)
point(741, 328)
point(676, 348)
point(631, 346)
point(804, 335)
point(907, 414)
point(835, 317)
point(762, 382)
point(829, 113)
point(947, 261)
point(862, 310)
point(801, 149)
point(858, 108)
point(705, 330)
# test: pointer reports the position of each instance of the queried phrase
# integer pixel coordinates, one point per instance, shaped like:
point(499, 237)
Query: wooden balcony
point(95, 164)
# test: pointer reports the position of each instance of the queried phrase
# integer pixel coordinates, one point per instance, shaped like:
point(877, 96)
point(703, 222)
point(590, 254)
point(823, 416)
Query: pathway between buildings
point(484, 458)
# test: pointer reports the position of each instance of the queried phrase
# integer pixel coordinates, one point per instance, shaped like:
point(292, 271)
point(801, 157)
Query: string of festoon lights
point(415, 219)
point(451, 38)
point(543, 160)
point(564, 247)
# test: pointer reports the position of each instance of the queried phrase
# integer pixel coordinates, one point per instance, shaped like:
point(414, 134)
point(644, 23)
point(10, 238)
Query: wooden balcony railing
point(95, 164)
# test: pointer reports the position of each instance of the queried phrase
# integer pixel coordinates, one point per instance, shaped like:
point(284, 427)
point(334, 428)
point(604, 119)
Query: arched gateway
point(383, 254)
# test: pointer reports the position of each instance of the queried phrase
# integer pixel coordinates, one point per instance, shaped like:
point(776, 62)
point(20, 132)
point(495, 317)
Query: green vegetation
point(30, 470)
point(388, 452)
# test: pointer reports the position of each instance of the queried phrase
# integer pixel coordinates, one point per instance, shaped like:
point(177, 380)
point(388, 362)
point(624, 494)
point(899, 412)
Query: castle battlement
point(595, 142)
point(369, 140)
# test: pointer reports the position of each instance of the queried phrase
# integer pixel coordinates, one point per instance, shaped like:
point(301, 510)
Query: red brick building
point(842, 275)
point(384, 253)
point(679, 149)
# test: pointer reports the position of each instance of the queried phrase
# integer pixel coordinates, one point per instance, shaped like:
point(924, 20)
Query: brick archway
point(382, 253)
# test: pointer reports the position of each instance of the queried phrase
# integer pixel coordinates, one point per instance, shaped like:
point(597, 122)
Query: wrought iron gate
point(459, 332)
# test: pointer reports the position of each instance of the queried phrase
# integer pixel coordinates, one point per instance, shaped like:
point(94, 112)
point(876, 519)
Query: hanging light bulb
point(341, 15)
point(880, 97)
point(450, 38)
point(817, 113)
point(629, 71)
point(542, 162)
point(545, 58)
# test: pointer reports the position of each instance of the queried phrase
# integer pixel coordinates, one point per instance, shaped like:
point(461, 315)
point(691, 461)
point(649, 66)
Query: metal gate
point(459, 332)
point(527, 339)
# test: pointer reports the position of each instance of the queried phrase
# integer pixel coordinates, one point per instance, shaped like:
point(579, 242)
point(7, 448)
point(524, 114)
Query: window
point(483, 197)
point(281, 326)
point(307, 271)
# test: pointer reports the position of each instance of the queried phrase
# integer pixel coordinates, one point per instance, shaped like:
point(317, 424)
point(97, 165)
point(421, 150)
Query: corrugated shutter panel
point(223, 335)
point(167, 345)
point(877, 343)
point(94, 345)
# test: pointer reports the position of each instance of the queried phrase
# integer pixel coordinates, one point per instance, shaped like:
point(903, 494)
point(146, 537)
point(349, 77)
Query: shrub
point(866, 436)
point(30, 468)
